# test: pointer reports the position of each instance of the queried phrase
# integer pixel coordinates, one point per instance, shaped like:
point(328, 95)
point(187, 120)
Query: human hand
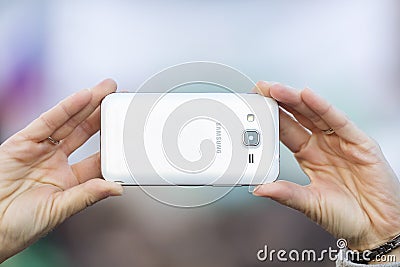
point(38, 188)
point(353, 191)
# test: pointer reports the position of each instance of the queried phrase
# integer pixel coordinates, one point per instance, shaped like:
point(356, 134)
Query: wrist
point(2, 258)
point(4, 255)
point(385, 252)
point(370, 241)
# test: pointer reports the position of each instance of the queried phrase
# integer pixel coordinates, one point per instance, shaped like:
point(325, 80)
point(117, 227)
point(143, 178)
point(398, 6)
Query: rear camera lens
point(251, 138)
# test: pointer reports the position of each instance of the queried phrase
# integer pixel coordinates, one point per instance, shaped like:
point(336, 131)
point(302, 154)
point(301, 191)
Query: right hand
point(354, 193)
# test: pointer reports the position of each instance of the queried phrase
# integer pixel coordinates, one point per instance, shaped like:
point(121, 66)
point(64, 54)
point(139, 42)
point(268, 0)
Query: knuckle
point(372, 147)
point(87, 127)
point(350, 150)
point(368, 152)
point(97, 161)
point(65, 109)
point(46, 121)
point(326, 110)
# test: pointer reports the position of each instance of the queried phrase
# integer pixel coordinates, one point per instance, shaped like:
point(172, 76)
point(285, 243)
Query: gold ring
point(329, 131)
point(53, 141)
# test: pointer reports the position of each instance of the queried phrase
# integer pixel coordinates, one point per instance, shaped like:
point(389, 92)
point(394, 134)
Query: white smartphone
point(189, 139)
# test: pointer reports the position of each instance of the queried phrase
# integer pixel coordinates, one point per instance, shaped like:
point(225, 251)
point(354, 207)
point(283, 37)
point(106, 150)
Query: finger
point(98, 92)
point(287, 193)
point(262, 88)
point(88, 168)
point(291, 133)
point(305, 122)
point(336, 119)
point(292, 98)
point(77, 198)
point(82, 133)
point(50, 121)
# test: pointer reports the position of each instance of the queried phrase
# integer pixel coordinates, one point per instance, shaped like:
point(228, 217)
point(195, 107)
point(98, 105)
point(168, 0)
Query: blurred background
point(347, 51)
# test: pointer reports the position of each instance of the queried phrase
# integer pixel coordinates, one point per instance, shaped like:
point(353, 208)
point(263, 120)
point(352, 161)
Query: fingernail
point(271, 83)
point(264, 82)
point(255, 191)
point(118, 189)
point(290, 87)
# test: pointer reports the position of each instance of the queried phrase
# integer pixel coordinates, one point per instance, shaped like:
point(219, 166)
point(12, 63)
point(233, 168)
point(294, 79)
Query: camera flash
point(250, 117)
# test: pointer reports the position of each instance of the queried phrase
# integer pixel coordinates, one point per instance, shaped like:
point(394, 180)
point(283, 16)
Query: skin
point(38, 188)
point(353, 192)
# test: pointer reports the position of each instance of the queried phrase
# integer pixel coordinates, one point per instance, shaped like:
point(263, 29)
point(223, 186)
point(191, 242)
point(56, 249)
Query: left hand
point(38, 187)
point(353, 191)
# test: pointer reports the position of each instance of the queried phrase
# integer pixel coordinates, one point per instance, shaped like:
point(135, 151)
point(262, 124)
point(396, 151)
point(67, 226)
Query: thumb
point(77, 198)
point(287, 193)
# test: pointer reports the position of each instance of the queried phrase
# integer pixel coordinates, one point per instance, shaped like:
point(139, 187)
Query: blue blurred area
point(41, 254)
point(345, 50)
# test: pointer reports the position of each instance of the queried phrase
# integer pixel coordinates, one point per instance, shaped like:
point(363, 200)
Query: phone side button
point(225, 185)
